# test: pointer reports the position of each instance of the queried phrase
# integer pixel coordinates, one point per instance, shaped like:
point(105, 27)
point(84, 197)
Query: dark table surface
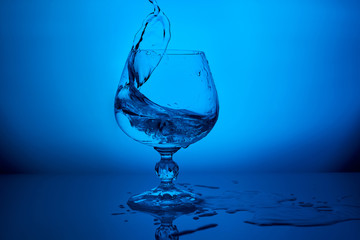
point(87, 207)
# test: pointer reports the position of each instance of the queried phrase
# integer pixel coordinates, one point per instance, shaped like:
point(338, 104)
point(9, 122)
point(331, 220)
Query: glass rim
point(173, 51)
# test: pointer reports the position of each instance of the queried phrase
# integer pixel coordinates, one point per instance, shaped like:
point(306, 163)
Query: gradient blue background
point(287, 75)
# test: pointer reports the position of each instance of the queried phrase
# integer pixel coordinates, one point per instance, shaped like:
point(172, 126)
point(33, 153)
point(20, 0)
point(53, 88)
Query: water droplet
point(117, 214)
point(204, 186)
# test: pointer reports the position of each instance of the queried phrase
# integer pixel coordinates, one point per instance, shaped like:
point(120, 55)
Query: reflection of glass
point(167, 230)
point(177, 106)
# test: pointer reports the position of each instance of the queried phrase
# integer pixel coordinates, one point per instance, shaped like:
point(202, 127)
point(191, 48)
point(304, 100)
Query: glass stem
point(166, 169)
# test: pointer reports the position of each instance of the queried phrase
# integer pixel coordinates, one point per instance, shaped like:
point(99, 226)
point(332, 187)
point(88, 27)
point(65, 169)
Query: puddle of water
point(268, 209)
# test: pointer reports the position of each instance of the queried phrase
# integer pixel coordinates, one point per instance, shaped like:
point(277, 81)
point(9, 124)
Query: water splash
point(143, 119)
point(154, 34)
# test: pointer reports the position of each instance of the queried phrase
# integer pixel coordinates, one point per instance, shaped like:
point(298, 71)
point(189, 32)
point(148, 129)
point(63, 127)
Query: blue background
point(287, 75)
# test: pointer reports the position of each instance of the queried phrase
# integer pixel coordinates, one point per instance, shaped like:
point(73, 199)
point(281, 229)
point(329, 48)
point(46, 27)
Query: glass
point(167, 107)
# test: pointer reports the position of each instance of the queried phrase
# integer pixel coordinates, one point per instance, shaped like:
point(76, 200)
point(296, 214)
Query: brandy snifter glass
point(168, 107)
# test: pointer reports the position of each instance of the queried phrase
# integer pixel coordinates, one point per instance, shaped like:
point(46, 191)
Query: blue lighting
point(287, 76)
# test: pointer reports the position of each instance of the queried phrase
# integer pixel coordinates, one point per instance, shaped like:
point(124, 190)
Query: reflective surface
point(94, 207)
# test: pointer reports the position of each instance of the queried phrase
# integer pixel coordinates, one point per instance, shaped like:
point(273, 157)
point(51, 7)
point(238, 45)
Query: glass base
point(164, 199)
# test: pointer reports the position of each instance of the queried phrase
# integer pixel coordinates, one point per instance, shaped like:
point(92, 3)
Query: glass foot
point(165, 198)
